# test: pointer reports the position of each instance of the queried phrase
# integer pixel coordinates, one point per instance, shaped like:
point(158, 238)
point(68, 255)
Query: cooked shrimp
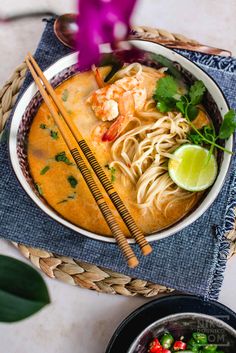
point(104, 101)
point(126, 108)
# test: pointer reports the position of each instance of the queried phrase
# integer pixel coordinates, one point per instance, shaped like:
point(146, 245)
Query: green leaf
point(54, 135)
point(45, 170)
point(164, 107)
point(196, 92)
point(73, 182)
point(191, 112)
point(65, 95)
point(61, 157)
point(166, 88)
point(22, 290)
point(43, 126)
point(207, 132)
point(181, 107)
point(228, 125)
point(165, 94)
point(195, 138)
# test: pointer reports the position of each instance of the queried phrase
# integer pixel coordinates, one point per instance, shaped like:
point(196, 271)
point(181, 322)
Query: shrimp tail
point(115, 129)
point(98, 77)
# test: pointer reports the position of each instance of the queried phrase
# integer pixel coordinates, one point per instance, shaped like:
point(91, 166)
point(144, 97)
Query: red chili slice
point(155, 346)
point(179, 346)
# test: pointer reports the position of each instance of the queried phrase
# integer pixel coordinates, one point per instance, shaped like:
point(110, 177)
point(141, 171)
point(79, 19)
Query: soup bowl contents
point(132, 140)
point(187, 333)
point(154, 128)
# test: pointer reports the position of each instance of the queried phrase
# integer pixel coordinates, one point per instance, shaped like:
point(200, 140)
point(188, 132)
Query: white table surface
point(79, 320)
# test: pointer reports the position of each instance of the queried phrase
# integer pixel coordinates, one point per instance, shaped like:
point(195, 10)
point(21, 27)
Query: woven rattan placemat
point(70, 270)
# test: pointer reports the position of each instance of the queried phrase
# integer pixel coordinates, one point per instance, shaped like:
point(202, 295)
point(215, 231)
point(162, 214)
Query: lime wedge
point(191, 169)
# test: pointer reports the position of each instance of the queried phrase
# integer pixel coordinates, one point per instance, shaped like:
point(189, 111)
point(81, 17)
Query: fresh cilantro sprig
point(168, 97)
point(207, 131)
point(211, 139)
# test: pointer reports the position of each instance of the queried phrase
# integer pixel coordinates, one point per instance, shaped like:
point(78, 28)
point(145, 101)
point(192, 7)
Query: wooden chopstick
point(112, 193)
point(72, 145)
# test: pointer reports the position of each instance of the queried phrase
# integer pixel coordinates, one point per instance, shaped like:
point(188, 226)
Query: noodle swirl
point(142, 153)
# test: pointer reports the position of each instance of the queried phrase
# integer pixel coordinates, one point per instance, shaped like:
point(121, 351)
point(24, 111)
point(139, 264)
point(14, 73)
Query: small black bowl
point(184, 324)
point(132, 328)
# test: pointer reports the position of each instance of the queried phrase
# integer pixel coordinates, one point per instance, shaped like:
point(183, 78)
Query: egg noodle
point(142, 153)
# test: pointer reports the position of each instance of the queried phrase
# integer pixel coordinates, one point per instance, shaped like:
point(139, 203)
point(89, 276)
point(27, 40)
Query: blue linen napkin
point(192, 260)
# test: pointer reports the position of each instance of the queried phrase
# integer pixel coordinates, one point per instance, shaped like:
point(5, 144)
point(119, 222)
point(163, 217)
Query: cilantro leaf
point(164, 107)
point(166, 88)
point(61, 157)
point(65, 95)
point(45, 170)
point(196, 92)
point(164, 95)
point(181, 106)
point(43, 126)
point(73, 182)
point(191, 112)
point(54, 135)
point(228, 125)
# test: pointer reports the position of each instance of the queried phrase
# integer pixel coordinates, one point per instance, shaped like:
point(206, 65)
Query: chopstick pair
point(74, 139)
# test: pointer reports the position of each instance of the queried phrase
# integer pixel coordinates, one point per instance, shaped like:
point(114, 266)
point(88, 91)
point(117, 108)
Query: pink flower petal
point(101, 21)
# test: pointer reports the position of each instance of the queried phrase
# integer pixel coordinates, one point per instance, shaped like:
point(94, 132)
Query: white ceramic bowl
point(67, 62)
